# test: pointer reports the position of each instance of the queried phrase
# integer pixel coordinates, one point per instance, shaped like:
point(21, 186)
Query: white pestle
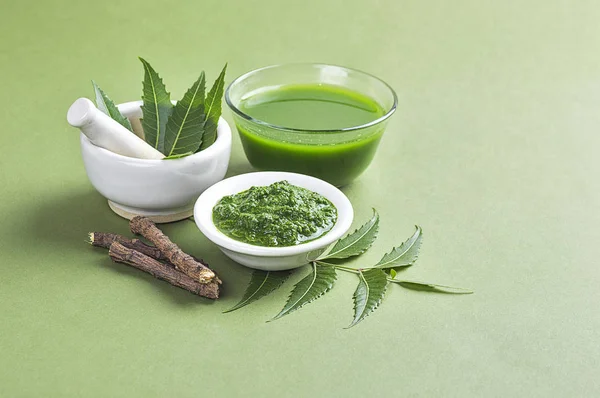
point(107, 133)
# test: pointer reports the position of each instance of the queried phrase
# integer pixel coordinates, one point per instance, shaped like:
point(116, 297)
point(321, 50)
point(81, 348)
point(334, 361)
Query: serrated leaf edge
point(387, 264)
point(243, 303)
point(217, 86)
point(149, 69)
point(291, 309)
point(375, 225)
point(358, 319)
point(107, 102)
point(200, 83)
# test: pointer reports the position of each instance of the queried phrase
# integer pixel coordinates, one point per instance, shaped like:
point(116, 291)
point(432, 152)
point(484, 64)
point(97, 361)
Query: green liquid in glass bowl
point(330, 131)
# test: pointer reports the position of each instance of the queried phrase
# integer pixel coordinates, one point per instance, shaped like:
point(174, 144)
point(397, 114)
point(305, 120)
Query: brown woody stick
point(182, 261)
point(105, 239)
point(120, 253)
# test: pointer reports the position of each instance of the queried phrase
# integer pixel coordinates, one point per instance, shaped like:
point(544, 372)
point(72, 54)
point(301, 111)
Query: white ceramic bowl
point(164, 190)
point(271, 258)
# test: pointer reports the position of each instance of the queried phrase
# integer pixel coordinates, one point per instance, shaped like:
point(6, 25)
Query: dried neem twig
point(167, 265)
point(105, 239)
point(122, 254)
point(182, 261)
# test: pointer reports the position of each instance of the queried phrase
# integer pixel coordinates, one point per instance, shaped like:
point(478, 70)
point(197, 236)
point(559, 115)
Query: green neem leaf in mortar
point(358, 241)
point(261, 284)
point(156, 109)
point(213, 111)
point(107, 106)
point(186, 124)
point(369, 293)
point(405, 254)
point(313, 286)
point(431, 287)
point(181, 155)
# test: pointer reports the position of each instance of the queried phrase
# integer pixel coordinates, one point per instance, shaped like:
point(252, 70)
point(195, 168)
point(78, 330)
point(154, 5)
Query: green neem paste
point(280, 214)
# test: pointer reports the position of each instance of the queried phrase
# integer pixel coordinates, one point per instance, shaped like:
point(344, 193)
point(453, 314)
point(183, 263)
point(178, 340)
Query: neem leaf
point(156, 109)
point(358, 241)
point(405, 254)
point(186, 124)
point(179, 156)
point(369, 293)
point(261, 284)
point(313, 286)
point(107, 106)
point(213, 111)
point(431, 287)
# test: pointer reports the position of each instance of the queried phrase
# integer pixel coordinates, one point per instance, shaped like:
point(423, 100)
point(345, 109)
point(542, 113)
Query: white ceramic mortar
point(164, 190)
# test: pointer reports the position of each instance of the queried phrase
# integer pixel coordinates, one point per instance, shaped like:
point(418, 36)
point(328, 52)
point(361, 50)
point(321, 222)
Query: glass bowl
point(337, 156)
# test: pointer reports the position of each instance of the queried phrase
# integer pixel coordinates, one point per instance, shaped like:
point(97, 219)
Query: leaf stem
point(340, 267)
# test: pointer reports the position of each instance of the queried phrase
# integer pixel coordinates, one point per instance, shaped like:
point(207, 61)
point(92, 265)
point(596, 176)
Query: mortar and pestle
point(133, 176)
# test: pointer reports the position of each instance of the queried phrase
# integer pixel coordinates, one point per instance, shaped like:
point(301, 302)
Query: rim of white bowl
point(232, 185)
point(220, 144)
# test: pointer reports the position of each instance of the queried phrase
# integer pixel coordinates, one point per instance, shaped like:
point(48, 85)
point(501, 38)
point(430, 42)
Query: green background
point(493, 151)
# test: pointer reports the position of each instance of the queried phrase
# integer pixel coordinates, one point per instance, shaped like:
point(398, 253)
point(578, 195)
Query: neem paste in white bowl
point(273, 220)
point(280, 214)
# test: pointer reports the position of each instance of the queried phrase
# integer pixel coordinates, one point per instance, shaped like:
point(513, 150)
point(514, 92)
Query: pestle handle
point(105, 132)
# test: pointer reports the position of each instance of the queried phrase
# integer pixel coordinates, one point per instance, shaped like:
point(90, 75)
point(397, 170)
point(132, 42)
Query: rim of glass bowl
point(296, 130)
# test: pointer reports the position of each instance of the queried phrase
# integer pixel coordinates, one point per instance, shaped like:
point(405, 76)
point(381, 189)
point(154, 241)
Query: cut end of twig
point(185, 263)
point(206, 276)
point(90, 238)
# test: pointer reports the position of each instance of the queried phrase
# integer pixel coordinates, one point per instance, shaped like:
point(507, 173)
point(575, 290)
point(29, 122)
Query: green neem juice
point(317, 132)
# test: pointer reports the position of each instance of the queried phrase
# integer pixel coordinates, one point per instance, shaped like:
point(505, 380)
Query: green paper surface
point(493, 152)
